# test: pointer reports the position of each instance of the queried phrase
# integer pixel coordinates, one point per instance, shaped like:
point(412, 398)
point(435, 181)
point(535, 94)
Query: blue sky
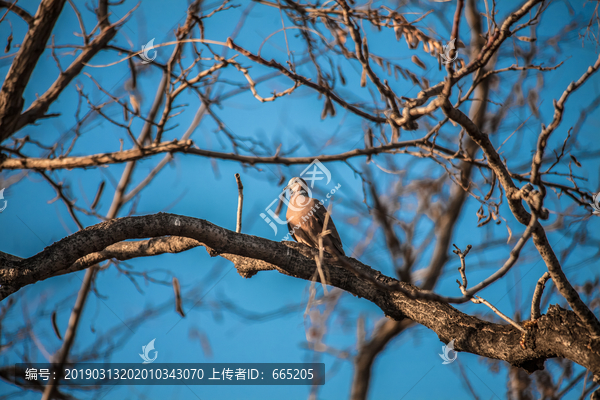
point(193, 186)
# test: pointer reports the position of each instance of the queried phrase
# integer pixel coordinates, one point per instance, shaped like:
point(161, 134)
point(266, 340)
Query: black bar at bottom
point(107, 374)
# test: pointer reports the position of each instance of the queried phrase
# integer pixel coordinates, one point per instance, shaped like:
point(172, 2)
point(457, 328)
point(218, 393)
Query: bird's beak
point(286, 188)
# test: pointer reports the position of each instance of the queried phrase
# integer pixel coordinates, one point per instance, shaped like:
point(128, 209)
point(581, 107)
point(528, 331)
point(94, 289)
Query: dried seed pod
point(418, 62)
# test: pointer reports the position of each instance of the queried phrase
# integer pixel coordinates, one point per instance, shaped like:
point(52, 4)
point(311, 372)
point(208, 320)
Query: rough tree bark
point(559, 333)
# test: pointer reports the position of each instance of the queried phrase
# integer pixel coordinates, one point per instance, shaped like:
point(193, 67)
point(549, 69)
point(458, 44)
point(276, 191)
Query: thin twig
point(55, 326)
point(477, 299)
point(178, 302)
point(537, 296)
point(319, 259)
point(238, 226)
point(559, 107)
point(461, 269)
point(98, 195)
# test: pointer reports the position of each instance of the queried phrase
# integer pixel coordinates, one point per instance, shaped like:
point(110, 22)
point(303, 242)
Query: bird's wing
point(310, 219)
point(320, 214)
point(291, 231)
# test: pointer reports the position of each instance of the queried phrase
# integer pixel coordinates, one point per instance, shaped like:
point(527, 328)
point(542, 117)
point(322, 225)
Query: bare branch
point(539, 236)
point(363, 362)
point(254, 253)
point(558, 115)
point(39, 107)
point(537, 296)
point(17, 10)
point(478, 299)
point(238, 225)
point(60, 358)
point(178, 302)
point(34, 44)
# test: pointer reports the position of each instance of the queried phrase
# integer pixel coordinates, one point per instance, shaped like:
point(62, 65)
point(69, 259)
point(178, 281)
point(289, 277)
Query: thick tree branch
point(34, 44)
point(17, 10)
point(363, 361)
point(39, 107)
point(514, 197)
point(102, 12)
point(559, 333)
point(456, 24)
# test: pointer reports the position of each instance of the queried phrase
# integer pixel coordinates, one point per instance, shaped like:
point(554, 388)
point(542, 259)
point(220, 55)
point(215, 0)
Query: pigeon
point(306, 217)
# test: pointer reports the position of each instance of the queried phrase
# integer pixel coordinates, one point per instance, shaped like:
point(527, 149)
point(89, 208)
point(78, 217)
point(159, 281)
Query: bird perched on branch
point(307, 216)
